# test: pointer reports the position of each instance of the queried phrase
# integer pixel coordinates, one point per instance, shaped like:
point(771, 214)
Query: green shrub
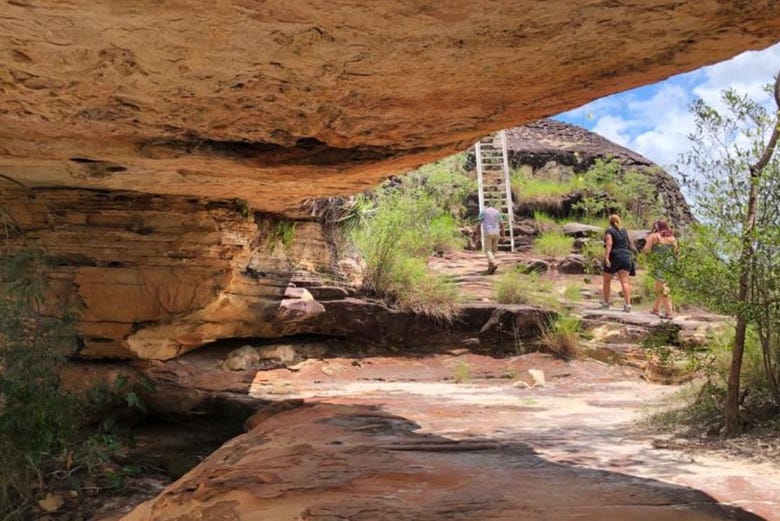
point(593, 251)
point(700, 408)
point(411, 287)
point(512, 288)
point(553, 244)
point(43, 441)
point(442, 234)
point(562, 337)
point(406, 223)
point(38, 421)
point(282, 232)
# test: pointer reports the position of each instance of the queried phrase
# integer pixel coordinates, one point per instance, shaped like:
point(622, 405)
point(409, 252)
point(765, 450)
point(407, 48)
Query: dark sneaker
point(627, 308)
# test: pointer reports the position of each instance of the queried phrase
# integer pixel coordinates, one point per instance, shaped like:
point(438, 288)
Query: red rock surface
point(397, 439)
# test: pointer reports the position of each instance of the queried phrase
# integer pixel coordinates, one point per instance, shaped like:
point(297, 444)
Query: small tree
point(734, 255)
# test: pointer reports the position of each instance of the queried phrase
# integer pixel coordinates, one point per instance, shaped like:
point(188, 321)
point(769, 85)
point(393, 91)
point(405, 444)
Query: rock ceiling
point(274, 101)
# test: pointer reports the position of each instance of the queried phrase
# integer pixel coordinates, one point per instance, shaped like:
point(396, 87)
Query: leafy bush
point(553, 244)
point(700, 408)
point(38, 423)
point(511, 288)
point(593, 251)
point(42, 434)
point(605, 188)
point(562, 337)
point(408, 220)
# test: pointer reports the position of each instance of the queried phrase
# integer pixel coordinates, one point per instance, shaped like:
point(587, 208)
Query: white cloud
point(655, 122)
point(612, 128)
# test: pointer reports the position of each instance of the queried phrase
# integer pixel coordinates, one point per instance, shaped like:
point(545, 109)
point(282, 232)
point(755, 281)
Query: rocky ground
point(462, 436)
point(459, 435)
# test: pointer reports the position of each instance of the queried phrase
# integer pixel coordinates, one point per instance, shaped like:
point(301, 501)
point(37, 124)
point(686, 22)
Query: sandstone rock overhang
point(275, 101)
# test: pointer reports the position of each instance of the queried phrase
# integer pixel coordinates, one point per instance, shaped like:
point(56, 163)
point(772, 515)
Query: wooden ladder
point(495, 187)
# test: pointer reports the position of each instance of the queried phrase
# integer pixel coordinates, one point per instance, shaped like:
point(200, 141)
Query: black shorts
point(618, 261)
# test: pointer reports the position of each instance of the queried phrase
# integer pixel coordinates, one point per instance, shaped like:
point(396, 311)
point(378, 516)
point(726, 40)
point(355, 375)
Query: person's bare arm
point(607, 248)
point(651, 240)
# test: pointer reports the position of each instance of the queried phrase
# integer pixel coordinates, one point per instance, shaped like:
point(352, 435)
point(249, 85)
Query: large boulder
point(555, 150)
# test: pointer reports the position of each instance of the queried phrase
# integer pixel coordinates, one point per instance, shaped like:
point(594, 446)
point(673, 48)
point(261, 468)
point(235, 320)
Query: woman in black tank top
point(617, 260)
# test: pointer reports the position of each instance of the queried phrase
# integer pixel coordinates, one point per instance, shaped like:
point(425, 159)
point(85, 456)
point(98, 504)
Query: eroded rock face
point(277, 101)
point(157, 276)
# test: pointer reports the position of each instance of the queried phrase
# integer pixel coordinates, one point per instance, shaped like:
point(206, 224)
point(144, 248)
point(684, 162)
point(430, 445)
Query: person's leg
point(488, 249)
point(491, 247)
point(667, 300)
point(606, 287)
point(659, 296)
point(625, 285)
point(494, 246)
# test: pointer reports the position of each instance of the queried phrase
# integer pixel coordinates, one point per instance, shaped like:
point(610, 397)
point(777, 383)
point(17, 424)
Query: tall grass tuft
point(562, 337)
point(553, 244)
point(512, 288)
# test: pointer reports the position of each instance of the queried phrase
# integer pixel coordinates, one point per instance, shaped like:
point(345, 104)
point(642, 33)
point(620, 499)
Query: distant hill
point(552, 148)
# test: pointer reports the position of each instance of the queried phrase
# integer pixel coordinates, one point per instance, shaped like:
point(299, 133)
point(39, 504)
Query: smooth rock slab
point(333, 462)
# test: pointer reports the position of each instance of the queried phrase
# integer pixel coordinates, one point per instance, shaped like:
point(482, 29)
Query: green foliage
point(42, 439)
point(637, 199)
point(700, 408)
point(606, 187)
point(282, 232)
point(461, 373)
point(562, 337)
point(512, 288)
point(720, 171)
point(241, 206)
point(553, 244)
point(411, 287)
point(409, 220)
point(443, 235)
point(37, 419)
point(593, 251)
point(573, 292)
point(534, 189)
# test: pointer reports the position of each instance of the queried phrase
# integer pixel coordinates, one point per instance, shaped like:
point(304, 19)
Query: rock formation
point(277, 101)
point(550, 147)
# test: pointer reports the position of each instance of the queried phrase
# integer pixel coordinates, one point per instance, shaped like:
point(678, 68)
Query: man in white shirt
point(492, 222)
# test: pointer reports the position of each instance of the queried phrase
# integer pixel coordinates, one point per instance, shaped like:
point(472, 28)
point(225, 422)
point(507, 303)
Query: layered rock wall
point(156, 276)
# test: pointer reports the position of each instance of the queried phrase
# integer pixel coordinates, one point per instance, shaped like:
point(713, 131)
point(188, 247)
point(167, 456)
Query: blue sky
point(654, 120)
